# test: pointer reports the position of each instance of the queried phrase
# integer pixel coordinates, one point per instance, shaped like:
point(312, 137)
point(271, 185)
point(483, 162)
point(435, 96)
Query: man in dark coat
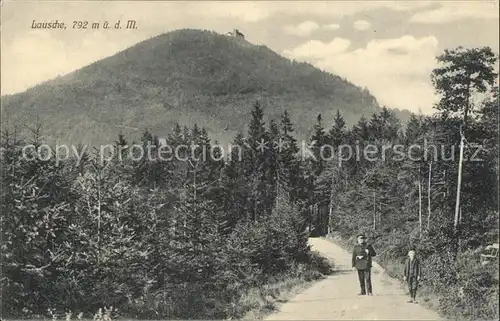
point(412, 274)
point(362, 260)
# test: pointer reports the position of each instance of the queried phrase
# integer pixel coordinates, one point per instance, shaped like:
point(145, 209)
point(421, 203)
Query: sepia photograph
point(249, 160)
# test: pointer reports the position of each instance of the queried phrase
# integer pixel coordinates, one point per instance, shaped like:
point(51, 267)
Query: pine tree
point(256, 128)
point(175, 137)
point(186, 135)
point(151, 171)
point(274, 179)
point(257, 166)
point(121, 146)
point(234, 183)
point(290, 173)
point(463, 72)
point(383, 126)
point(198, 238)
point(360, 132)
point(319, 139)
point(337, 133)
point(413, 129)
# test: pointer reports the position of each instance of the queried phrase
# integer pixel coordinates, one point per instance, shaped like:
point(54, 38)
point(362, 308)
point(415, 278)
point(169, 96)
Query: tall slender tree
point(463, 72)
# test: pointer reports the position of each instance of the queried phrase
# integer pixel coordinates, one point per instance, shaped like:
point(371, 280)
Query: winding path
point(336, 297)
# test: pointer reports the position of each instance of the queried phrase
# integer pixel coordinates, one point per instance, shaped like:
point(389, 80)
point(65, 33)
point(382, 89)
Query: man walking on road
point(362, 260)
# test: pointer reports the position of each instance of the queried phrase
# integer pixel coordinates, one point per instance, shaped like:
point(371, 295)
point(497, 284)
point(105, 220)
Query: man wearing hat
point(412, 274)
point(362, 260)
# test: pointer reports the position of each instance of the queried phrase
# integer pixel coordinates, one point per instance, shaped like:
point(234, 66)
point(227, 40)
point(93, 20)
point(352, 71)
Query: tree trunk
point(420, 205)
point(374, 213)
point(277, 192)
point(447, 187)
point(459, 181)
point(458, 210)
point(99, 216)
point(429, 196)
point(254, 213)
point(330, 210)
point(330, 205)
point(468, 105)
point(310, 218)
point(317, 218)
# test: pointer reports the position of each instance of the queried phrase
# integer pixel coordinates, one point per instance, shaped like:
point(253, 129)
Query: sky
point(388, 47)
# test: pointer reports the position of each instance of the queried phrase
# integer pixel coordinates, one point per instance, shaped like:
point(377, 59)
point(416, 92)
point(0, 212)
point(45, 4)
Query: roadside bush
point(319, 264)
point(474, 294)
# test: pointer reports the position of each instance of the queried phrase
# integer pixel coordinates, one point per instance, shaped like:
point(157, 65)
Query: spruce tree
point(337, 132)
point(257, 165)
point(319, 139)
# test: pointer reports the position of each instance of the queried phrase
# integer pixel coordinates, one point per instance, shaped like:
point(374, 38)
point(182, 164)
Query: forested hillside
point(185, 76)
point(188, 236)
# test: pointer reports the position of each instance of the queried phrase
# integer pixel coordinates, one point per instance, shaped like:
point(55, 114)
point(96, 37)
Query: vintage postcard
point(221, 160)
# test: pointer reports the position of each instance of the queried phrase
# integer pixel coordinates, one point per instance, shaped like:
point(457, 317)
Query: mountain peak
point(186, 76)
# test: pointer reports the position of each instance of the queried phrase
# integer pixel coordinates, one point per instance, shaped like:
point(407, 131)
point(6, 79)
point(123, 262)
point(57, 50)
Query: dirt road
point(336, 297)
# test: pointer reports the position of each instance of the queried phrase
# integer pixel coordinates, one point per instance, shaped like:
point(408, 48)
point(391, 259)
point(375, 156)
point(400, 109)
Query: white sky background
point(388, 47)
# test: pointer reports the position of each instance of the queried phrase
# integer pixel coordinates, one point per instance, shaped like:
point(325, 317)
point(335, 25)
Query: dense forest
point(188, 236)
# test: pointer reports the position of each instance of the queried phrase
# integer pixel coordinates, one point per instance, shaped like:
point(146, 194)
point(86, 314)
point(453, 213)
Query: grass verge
point(266, 299)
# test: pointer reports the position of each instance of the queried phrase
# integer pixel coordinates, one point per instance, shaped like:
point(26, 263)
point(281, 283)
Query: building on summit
point(235, 33)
